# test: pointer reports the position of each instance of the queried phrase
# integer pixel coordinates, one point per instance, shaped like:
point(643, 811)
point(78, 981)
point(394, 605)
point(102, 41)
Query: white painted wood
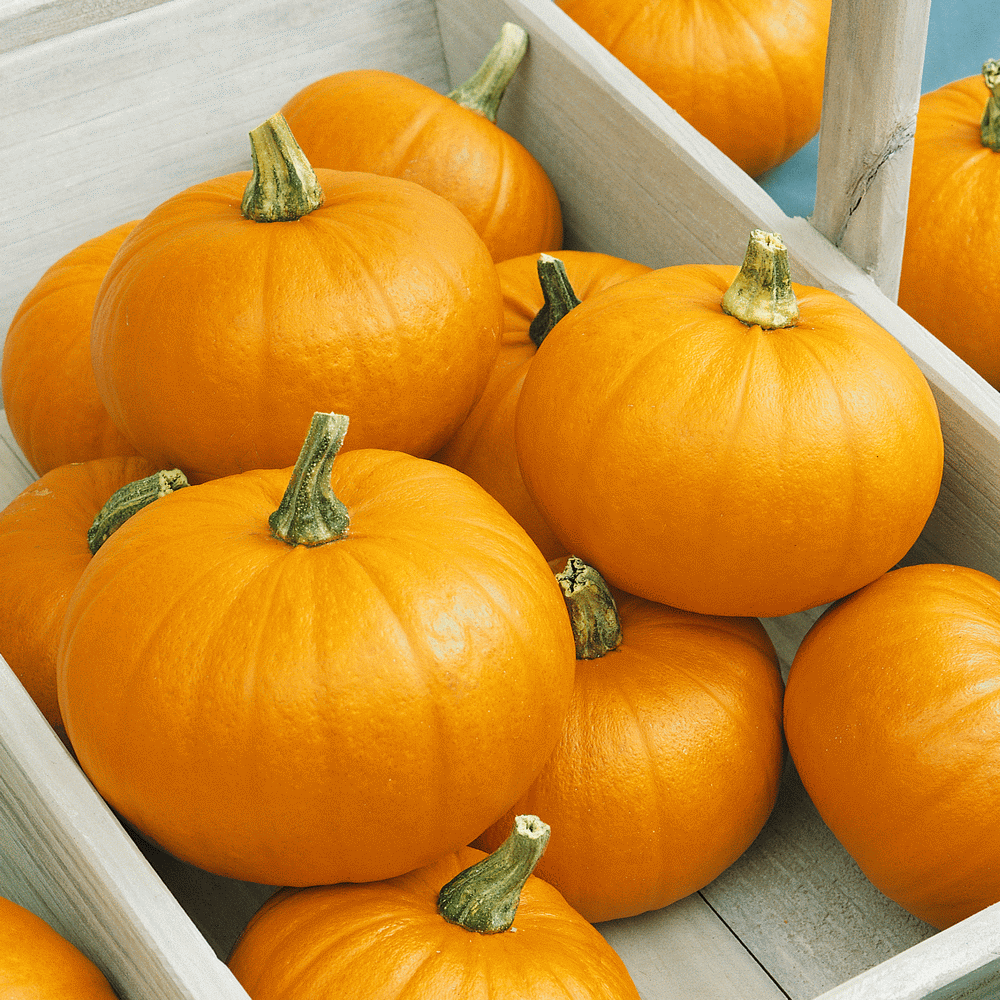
point(15, 472)
point(874, 62)
point(64, 855)
point(24, 22)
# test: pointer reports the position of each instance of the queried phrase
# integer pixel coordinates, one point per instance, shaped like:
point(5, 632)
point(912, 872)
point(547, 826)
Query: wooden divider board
point(636, 181)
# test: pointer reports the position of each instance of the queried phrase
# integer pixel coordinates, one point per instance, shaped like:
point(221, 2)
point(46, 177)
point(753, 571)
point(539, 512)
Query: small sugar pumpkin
point(537, 292)
point(670, 757)
point(44, 550)
point(747, 74)
point(948, 279)
point(49, 394)
point(892, 716)
point(720, 440)
point(239, 307)
point(374, 120)
point(38, 963)
point(285, 676)
point(471, 926)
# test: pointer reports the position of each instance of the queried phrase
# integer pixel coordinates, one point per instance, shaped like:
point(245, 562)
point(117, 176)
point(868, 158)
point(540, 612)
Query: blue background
point(961, 36)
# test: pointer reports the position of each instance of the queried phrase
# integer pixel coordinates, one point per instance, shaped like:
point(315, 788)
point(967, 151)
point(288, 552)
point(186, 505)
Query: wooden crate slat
point(874, 63)
point(25, 22)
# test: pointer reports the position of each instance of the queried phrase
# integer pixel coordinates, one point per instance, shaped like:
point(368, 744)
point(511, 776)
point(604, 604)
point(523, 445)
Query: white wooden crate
point(113, 106)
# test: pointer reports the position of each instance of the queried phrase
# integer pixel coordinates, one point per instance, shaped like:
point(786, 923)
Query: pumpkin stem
point(559, 297)
point(284, 185)
point(484, 90)
point(484, 898)
point(592, 610)
point(129, 499)
point(761, 294)
point(990, 127)
point(309, 512)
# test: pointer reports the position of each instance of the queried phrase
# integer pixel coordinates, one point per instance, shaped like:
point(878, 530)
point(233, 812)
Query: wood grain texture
point(874, 62)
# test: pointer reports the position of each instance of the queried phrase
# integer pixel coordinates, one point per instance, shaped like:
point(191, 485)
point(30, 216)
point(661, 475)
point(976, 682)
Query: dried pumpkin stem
point(559, 297)
point(761, 294)
point(989, 130)
point(485, 897)
point(132, 497)
point(484, 90)
point(310, 513)
point(592, 610)
point(283, 187)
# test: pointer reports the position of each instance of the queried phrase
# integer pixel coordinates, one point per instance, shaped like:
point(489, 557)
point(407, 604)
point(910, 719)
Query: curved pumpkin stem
point(989, 130)
point(559, 297)
point(484, 90)
point(129, 499)
point(761, 294)
point(592, 610)
point(283, 187)
point(484, 898)
point(310, 513)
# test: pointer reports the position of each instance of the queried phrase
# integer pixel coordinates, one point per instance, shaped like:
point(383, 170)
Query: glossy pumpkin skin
point(668, 766)
point(299, 715)
point(37, 963)
point(747, 75)
point(483, 447)
point(388, 124)
point(386, 940)
point(50, 397)
point(948, 277)
point(43, 549)
point(722, 468)
point(891, 718)
point(216, 338)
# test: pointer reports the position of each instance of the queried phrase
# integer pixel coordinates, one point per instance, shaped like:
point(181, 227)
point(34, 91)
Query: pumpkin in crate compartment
point(339, 672)
point(538, 290)
point(239, 307)
point(472, 926)
point(720, 440)
point(389, 124)
point(49, 394)
point(892, 716)
point(748, 75)
point(38, 963)
point(44, 550)
point(948, 280)
point(670, 758)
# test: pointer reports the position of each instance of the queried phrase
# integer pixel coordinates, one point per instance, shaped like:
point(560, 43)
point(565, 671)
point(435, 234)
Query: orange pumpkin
point(218, 332)
point(748, 75)
point(51, 400)
point(377, 121)
point(421, 936)
point(38, 963)
point(44, 551)
point(725, 442)
point(284, 684)
point(670, 758)
point(948, 279)
point(483, 447)
point(891, 716)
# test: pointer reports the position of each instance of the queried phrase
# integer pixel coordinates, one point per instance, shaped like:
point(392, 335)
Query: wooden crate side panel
point(109, 121)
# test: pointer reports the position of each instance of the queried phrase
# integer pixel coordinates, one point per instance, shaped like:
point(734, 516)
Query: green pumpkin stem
point(559, 297)
point(761, 294)
point(132, 497)
point(989, 130)
point(310, 514)
point(592, 610)
point(284, 186)
point(484, 898)
point(484, 90)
